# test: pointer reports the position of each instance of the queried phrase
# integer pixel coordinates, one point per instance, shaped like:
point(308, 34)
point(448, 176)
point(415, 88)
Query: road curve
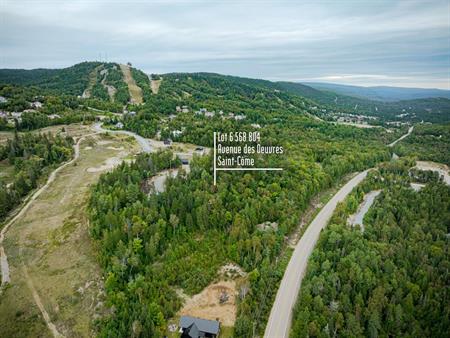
point(145, 145)
point(281, 314)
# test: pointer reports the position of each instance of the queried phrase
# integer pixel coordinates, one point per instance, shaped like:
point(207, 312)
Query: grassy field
point(4, 135)
point(51, 245)
point(6, 172)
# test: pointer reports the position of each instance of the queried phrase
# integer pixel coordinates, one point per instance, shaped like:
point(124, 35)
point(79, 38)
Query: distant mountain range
point(380, 93)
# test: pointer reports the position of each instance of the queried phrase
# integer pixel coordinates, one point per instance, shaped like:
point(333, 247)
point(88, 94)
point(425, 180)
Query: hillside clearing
point(133, 88)
point(154, 84)
point(207, 304)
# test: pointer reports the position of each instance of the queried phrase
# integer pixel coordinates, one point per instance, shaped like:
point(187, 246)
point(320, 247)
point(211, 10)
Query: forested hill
point(106, 82)
point(72, 80)
point(98, 80)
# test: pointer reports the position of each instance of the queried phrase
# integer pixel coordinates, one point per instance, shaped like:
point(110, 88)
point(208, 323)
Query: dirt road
point(4, 258)
point(280, 316)
point(51, 178)
point(145, 145)
point(56, 287)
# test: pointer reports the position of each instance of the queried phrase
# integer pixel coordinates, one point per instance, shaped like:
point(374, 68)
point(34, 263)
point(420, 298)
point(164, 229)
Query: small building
point(184, 161)
point(177, 133)
point(36, 104)
point(167, 142)
point(209, 114)
point(192, 327)
point(53, 116)
point(185, 109)
point(3, 99)
point(119, 125)
point(178, 109)
point(132, 113)
point(239, 117)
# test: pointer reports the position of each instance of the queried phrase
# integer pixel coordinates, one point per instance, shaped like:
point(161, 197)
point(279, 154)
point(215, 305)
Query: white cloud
point(344, 41)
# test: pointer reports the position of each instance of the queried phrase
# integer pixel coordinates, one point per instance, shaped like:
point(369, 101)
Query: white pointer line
point(239, 169)
point(215, 171)
point(235, 169)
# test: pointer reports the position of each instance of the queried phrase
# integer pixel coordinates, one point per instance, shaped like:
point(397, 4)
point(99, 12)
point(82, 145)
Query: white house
point(119, 125)
point(3, 99)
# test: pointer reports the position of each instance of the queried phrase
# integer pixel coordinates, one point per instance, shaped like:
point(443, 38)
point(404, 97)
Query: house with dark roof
point(192, 327)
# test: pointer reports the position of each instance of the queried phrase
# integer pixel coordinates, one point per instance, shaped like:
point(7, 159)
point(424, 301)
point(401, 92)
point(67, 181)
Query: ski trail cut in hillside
point(133, 88)
point(154, 84)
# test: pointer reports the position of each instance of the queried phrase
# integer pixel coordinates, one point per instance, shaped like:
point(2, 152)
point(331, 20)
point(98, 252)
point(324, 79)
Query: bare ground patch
point(208, 305)
point(154, 85)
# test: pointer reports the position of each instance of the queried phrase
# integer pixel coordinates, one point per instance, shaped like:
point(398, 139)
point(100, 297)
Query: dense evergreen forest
point(390, 279)
point(160, 242)
point(69, 81)
point(32, 155)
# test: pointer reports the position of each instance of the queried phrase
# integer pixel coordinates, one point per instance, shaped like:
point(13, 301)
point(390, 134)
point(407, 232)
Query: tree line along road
point(280, 318)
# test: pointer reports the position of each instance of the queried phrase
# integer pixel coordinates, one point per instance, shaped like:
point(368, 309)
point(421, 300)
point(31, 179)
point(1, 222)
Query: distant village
point(202, 112)
point(12, 117)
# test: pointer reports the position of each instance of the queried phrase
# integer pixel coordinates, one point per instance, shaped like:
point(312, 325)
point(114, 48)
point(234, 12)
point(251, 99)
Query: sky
point(396, 43)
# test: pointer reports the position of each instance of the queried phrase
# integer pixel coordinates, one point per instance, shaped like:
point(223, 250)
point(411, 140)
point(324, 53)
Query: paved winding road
point(279, 323)
point(401, 137)
point(281, 313)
